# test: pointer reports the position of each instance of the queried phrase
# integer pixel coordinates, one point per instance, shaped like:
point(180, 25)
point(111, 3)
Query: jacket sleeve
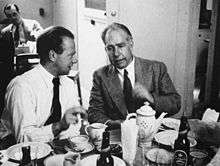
point(207, 133)
point(166, 98)
point(96, 111)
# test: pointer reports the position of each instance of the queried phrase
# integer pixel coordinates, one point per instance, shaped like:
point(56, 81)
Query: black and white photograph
point(109, 82)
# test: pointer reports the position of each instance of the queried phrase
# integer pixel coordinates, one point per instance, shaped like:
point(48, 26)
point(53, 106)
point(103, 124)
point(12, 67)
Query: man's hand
point(71, 116)
point(140, 92)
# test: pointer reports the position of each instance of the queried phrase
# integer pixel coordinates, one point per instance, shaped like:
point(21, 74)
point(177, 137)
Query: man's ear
point(52, 55)
point(131, 43)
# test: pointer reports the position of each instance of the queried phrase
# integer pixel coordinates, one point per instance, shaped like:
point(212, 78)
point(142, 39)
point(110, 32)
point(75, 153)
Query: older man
point(124, 85)
point(42, 103)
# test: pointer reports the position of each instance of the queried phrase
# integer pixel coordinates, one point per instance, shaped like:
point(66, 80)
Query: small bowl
point(80, 139)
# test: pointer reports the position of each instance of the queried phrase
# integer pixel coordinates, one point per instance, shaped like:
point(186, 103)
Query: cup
point(199, 157)
point(94, 131)
point(80, 139)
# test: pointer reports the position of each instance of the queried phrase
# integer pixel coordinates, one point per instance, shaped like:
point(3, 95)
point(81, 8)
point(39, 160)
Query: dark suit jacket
point(107, 99)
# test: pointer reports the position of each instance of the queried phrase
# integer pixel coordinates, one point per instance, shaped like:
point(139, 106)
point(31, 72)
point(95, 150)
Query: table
point(140, 160)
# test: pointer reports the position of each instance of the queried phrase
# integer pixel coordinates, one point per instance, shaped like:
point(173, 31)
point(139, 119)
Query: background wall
point(30, 9)
point(65, 14)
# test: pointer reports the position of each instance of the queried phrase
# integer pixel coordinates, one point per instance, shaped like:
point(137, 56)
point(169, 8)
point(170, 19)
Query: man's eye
point(121, 45)
point(110, 48)
point(14, 14)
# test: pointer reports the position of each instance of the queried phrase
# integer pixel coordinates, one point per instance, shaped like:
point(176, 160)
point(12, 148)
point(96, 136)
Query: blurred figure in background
point(22, 30)
point(19, 32)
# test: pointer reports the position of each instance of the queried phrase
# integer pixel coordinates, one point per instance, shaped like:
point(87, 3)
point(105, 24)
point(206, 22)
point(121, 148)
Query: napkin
point(129, 132)
point(210, 115)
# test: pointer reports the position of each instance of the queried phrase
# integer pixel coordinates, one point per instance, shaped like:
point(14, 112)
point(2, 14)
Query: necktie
point(16, 36)
point(56, 107)
point(128, 93)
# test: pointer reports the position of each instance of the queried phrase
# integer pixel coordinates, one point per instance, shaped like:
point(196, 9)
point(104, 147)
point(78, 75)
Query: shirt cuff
point(106, 123)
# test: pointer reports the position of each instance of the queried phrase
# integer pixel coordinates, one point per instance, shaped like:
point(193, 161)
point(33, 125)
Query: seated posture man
point(22, 30)
point(124, 85)
point(19, 31)
point(42, 103)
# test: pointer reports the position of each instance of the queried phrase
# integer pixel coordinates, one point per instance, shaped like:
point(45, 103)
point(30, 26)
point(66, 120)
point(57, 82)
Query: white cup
point(94, 131)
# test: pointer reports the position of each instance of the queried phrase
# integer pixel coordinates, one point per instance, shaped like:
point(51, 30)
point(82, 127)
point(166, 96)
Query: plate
point(160, 156)
point(87, 147)
point(91, 161)
point(38, 150)
point(168, 137)
point(171, 123)
point(56, 160)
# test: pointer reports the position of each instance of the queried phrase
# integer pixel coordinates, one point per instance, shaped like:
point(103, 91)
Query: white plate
point(168, 137)
point(38, 150)
point(172, 123)
point(88, 147)
point(91, 161)
point(56, 160)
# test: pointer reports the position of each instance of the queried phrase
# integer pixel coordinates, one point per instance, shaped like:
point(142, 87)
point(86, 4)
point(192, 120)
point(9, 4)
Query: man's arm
point(166, 99)
point(20, 104)
point(36, 30)
point(208, 133)
point(96, 111)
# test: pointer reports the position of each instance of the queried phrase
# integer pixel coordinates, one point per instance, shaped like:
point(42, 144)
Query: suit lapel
point(143, 73)
point(115, 91)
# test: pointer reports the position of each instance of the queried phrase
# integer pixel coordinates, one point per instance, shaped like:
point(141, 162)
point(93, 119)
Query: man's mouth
point(119, 61)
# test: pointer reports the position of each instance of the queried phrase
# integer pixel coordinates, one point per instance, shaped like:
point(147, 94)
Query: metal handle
point(113, 13)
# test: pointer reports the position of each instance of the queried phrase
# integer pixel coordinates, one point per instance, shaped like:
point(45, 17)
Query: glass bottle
point(105, 158)
point(26, 156)
point(182, 145)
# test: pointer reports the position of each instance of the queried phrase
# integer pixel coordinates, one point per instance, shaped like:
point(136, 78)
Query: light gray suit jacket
point(107, 99)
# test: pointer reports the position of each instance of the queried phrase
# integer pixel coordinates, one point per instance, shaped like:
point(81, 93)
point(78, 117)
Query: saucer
point(83, 147)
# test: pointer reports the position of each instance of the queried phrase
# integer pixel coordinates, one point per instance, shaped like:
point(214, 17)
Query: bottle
point(26, 156)
point(105, 158)
point(182, 145)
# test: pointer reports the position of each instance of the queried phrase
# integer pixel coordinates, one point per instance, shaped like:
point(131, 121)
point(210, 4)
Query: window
point(96, 4)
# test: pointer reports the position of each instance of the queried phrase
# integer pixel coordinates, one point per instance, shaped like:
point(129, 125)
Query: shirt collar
point(48, 77)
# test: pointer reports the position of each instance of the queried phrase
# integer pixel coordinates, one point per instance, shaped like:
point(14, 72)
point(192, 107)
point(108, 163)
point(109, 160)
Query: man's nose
point(116, 51)
point(74, 59)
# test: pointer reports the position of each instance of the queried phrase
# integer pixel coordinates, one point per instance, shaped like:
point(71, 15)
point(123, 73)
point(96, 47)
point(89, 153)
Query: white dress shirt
point(131, 75)
point(28, 103)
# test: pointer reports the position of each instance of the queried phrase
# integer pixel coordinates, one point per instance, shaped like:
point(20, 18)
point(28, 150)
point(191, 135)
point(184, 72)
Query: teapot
point(147, 122)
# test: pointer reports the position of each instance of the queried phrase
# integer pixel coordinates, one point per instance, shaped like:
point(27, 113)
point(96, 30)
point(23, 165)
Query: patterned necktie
point(56, 107)
point(128, 93)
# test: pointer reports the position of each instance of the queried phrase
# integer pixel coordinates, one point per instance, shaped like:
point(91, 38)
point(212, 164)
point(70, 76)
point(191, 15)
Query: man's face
point(119, 48)
point(13, 15)
point(67, 58)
